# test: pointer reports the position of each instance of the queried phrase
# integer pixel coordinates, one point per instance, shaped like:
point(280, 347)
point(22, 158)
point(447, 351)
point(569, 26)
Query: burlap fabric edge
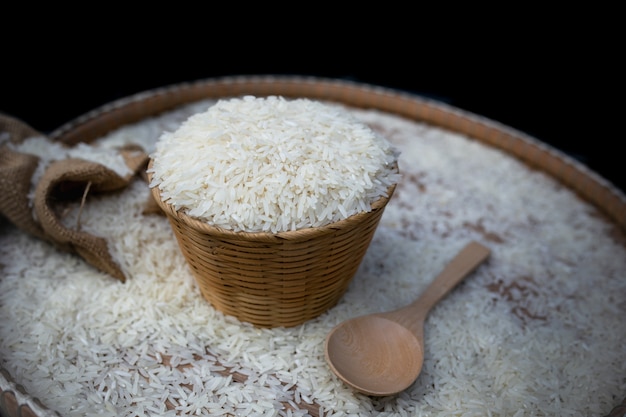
point(35, 207)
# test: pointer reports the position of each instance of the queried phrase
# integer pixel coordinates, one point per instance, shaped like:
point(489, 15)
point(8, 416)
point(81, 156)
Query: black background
point(560, 83)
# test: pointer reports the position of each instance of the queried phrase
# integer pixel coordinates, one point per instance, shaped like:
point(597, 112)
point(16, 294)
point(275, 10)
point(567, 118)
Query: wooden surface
point(587, 184)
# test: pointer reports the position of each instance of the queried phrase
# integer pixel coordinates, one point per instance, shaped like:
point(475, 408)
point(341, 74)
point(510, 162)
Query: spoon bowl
point(382, 354)
point(369, 363)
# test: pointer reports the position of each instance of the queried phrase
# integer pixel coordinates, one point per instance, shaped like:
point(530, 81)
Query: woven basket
point(274, 279)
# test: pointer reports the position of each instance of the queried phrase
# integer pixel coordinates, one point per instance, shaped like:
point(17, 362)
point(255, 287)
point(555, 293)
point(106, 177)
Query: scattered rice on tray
point(537, 330)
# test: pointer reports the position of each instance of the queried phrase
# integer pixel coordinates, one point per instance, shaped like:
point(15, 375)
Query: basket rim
point(299, 234)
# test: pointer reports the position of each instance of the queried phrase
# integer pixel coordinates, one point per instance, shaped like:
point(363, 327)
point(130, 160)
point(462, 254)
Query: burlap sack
point(63, 181)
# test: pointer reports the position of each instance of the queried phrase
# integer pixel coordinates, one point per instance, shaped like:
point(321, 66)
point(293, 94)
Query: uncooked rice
point(538, 330)
point(268, 164)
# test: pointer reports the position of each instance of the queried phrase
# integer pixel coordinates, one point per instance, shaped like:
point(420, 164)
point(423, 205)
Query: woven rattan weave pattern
point(281, 279)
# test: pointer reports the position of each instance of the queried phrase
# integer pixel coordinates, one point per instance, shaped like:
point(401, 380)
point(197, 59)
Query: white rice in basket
point(268, 164)
point(538, 330)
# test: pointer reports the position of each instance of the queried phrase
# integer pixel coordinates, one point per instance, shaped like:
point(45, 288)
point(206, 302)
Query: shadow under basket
point(274, 279)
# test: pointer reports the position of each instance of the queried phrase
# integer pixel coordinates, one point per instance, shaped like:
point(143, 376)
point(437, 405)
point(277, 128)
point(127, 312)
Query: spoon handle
point(466, 261)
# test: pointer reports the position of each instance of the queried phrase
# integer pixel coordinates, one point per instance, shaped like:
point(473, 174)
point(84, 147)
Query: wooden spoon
point(382, 354)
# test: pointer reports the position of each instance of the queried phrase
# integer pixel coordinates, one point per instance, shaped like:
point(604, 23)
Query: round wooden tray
point(610, 201)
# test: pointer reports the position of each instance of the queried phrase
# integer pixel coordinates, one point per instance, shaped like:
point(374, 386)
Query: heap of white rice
point(537, 330)
point(271, 164)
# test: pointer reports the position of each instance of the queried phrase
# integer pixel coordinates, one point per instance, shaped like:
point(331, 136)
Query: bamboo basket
point(274, 279)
